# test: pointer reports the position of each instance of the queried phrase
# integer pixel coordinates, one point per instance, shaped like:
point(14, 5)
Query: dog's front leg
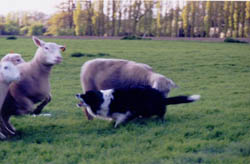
point(87, 114)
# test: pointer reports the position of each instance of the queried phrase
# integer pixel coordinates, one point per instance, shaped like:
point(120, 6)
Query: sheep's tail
point(181, 99)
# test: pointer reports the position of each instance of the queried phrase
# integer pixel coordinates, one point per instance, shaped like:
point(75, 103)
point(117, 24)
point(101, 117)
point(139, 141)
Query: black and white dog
point(126, 104)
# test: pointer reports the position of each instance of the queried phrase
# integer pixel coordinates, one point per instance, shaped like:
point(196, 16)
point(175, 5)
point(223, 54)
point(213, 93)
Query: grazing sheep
point(14, 58)
point(8, 74)
point(34, 86)
point(101, 74)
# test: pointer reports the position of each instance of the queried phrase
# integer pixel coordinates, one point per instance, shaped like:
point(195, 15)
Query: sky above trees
point(46, 6)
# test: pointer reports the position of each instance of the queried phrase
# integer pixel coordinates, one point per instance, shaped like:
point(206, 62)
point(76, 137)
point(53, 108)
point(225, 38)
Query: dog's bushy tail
point(181, 99)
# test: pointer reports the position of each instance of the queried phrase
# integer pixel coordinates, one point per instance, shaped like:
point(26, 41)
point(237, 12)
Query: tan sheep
point(34, 86)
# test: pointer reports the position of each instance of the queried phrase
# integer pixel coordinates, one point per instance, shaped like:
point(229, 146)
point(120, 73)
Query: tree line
point(135, 17)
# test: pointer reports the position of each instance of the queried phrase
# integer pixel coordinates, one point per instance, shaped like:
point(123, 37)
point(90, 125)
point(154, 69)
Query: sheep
point(102, 74)
point(34, 86)
point(8, 73)
point(15, 58)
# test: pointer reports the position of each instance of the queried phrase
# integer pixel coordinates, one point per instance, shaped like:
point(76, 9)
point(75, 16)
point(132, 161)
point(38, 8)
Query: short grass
point(215, 129)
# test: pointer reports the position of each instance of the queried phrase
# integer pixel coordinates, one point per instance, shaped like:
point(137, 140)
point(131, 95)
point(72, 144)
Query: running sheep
point(34, 86)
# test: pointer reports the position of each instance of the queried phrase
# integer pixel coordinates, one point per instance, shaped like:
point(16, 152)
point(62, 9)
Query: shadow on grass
point(40, 134)
point(79, 54)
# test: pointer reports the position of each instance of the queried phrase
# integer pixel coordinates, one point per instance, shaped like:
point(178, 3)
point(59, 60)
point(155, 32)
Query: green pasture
point(215, 129)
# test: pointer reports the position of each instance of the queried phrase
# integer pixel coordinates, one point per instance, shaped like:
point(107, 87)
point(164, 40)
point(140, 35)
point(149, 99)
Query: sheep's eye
point(18, 60)
point(6, 67)
point(46, 48)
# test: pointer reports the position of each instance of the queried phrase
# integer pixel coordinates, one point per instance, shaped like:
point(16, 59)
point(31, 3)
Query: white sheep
point(101, 74)
point(8, 74)
point(34, 86)
point(15, 58)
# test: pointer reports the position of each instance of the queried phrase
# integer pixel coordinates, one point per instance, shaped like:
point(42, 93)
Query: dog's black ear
point(92, 97)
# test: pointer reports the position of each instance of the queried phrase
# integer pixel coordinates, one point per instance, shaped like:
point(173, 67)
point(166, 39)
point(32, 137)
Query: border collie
point(125, 104)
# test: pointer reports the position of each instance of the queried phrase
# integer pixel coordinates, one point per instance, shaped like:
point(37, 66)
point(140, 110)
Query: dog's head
point(81, 98)
point(91, 99)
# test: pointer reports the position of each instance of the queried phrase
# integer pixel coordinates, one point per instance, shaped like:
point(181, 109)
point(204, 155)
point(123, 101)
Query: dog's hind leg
point(120, 118)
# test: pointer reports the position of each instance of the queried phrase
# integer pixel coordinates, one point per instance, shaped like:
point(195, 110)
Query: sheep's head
point(51, 52)
point(9, 72)
point(162, 83)
point(13, 58)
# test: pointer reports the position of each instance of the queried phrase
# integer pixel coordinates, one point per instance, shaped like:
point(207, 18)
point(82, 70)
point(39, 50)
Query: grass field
point(215, 129)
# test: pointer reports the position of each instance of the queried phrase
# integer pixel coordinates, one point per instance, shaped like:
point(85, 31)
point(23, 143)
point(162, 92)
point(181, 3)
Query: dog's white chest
point(107, 97)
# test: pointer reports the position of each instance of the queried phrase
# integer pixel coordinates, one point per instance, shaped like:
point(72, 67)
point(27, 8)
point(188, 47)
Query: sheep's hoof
point(2, 136)
point(11, 131)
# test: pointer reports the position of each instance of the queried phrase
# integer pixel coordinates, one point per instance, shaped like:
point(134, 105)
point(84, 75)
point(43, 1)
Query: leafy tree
point(148, 17)
point(192, 22)
point(230, 18)
point(2, 29)
point(185, 17)
point(236, 19)
point(114, 5)
point(59, 25)
point(100, 20)
point(137, 15)
point(247, 19)
point(120, 14)
point(176, 19)
point(2, 19)
point(36, 29)
point(242, 18)
point(11, 29)
point(220, 17)
point(226, 16)
point(158, 18)
point(78, 19)
point(24, 30)
point(207, 18)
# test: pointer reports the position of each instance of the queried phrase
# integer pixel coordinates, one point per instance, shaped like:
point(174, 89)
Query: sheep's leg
point(25, 107)
point(2, 136)
point(8, 127)
point(40, 107)
point(5, 127)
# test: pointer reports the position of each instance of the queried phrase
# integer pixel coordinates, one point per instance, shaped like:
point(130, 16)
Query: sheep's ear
point(63, 48)
point(38, 42)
